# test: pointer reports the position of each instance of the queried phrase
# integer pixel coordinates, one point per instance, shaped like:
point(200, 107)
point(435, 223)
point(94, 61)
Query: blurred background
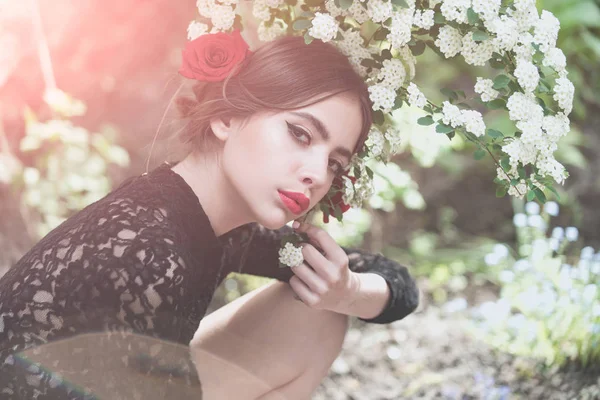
point(510, 305)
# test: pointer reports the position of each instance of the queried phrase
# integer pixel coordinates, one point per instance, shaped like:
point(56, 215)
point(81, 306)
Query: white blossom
point(563, 94)
point(348, 195)
point(546, 31)
point(473, 121)
point(324, 27)
point(487, 9)
point(205, 7)
point(392, 135)
point(269, 33)
point(451, 115)
point(393, 73)
point(400, 30)
point(449, 41)
point(382, 96)
point(424, 18)
point(527, 75)
point(376, 142)
point(290, 255)
point(525, 14)
point(506, 30)
point(358, 12)
point(456, 10)
point(523, 106)
point(555, 58)
point(352, 46)
point(415, 97)
point(379, 10)
point(261, 10)
point(222, 17)
point(196, 29)
point(523, 49)
point(484, 87)
point(477, 53)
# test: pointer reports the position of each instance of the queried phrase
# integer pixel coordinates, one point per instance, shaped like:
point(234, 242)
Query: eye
point(336, 167)
point(298, 134)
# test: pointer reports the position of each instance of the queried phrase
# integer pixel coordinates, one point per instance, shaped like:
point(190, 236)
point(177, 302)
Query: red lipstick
point(296, 202)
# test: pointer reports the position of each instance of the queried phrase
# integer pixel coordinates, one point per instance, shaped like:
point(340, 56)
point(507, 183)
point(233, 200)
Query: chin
point(274, 220)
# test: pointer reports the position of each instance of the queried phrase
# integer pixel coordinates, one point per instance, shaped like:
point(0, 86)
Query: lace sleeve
point(253, 249)
point(111, 269)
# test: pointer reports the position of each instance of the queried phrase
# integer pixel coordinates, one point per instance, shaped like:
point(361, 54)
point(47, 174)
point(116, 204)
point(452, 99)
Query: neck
point(223, 206)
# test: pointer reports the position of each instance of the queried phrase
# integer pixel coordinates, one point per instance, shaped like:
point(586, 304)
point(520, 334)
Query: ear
point(221, 127)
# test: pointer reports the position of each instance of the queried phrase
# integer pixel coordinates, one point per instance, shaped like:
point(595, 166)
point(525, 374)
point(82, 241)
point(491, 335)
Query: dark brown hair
point(281, 75)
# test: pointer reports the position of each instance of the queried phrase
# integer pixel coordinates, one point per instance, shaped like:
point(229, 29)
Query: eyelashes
point(298, 134)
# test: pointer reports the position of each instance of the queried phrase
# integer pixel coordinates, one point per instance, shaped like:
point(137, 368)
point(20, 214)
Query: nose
point(314, 172)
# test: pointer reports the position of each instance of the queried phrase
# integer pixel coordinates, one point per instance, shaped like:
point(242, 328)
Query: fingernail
point(296, 224)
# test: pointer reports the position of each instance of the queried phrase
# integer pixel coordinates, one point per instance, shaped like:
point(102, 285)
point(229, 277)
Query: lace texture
point(135, 272)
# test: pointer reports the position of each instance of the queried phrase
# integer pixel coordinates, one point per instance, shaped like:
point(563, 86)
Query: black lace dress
point(142, 261)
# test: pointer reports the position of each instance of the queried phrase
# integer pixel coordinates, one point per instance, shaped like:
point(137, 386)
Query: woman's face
point(275, 158)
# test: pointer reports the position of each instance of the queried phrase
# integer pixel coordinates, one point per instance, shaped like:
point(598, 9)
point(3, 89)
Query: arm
point(253, 249)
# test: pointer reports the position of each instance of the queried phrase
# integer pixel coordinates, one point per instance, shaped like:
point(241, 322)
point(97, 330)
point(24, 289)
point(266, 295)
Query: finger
point(322, 239)
point(311, 279)
point(303, 291)
point(321, 265)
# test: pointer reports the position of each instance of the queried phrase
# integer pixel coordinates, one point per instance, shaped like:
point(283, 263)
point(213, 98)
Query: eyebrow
point(325, 135)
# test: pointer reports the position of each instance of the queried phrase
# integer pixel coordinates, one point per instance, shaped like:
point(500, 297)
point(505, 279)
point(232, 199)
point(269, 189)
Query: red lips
point(296, 202)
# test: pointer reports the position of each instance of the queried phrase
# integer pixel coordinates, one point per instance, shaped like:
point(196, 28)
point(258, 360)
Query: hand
point(323, 280)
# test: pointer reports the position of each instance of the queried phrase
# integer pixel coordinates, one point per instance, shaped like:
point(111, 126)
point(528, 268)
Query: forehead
point(341, 115)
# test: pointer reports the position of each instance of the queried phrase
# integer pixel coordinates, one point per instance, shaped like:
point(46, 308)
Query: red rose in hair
point(336, 199)
point(211, 57)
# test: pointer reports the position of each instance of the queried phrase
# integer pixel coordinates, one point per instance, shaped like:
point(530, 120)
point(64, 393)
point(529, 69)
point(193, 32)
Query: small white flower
point(571, 233)
point(520, 220)
point(551, 208)
point(415, 97)
point(196, 29)
point(563, 94)
point(291, 255)
point(452, 115)
point(473, 121)
point(424, 18)
point(485, 88)
point(393, 73)
point(379, 10)
point(532, 208)
point(449, 41)
point(324, 27)
point(382, 96)
point(527, 74)
point(558, 232)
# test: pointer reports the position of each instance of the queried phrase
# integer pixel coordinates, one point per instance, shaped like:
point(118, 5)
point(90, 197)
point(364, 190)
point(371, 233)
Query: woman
point(267, 132)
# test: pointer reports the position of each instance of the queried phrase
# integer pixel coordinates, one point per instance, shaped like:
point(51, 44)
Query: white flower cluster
point(471, 120)
point(485, 88)
point(324, 27)
point(291, 255)
point(515, 29)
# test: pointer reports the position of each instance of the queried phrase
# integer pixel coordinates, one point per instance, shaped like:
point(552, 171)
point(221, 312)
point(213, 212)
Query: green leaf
point(449, 93)
point(381, 34)
point(494, 134)
point(501, 191)
point(461, 93)
point(400, 3)
point(496, 64)
point(479, 154)
point(522, 172)
point(505, 163)
point(314, 3)
point(501, 81)
point(307, 14)
point(530, 195)
point(307, 38)
point(473, 16)
point(496, 104)
point(345, 4)
point(480, 36)
point(441, 128)
point(418, 48)
point(369, 63)
point(301, 24)
point(426, 120)
point(369, 172)
point(551, 188)
point(378, 117)
point(540, 195)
